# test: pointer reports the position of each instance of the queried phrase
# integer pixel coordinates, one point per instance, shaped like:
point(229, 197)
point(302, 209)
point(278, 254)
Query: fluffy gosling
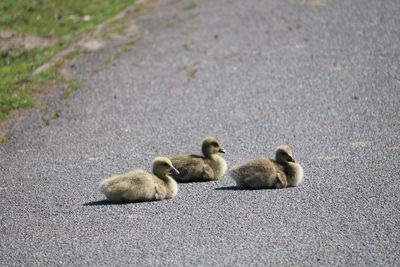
point(262, 173)
point(195, 168)
point(140, 185)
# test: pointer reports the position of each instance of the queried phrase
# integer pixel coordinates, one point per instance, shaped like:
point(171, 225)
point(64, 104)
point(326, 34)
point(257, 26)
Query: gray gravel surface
point(321, 76)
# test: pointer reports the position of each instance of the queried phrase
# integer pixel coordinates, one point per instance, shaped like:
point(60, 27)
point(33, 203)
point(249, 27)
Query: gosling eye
point(166, 165)
point(215, 144)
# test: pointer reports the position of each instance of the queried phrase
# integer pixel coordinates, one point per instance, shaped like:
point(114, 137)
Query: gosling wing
point(191, 168)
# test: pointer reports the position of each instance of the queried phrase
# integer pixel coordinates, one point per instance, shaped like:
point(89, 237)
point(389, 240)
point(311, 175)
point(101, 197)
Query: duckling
point(194, 168)
point(268, 173)
point(140, 185)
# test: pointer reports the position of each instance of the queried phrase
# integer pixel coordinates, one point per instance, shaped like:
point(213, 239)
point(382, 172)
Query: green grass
point(190, 6)
point(57, 18)
point(72, 86)
point(60, 19)
point(5, 138)
point(16, 79)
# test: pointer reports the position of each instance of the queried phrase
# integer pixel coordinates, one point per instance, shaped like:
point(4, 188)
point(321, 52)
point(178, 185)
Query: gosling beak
point(174, 170)
point(290, 159)
point(221, 150)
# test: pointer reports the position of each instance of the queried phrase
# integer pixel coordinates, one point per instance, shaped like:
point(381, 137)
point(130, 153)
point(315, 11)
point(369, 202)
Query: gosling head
point(162, 166)
point(284, 154)
point(211, 146)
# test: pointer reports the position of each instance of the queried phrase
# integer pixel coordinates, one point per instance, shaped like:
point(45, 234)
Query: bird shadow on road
point(193, 182)
point(235, 188)
point(106, 202)
point(103, 203)
point(226, 188)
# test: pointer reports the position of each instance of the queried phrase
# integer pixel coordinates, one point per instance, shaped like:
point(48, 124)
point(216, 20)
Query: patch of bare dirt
point(11, 40)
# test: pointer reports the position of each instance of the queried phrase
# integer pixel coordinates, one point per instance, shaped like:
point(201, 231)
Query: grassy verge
point(32, 32)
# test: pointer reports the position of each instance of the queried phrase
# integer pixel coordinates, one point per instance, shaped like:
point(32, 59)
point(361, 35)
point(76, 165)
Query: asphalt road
point(321, 76)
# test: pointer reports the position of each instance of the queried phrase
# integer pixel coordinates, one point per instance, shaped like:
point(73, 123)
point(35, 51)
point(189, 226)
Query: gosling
point(194, 168)
point(262, 173)
point(140, 185)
